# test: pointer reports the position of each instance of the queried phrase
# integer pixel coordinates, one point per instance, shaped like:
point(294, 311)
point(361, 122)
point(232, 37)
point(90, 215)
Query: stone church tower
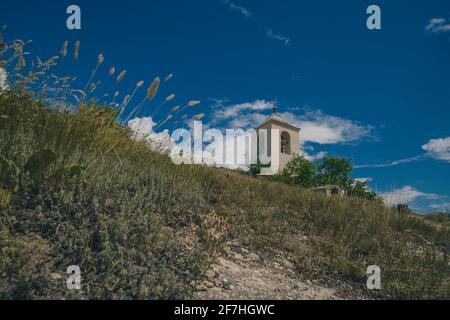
point(281, 142)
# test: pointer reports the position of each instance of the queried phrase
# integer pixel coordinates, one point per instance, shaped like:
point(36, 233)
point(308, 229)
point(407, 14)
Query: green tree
point(301, 172)
point(331, 171)
point(361, 190)
point(335, 171)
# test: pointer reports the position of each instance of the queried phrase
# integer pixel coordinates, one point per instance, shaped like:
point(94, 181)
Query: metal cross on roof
point(275, 106)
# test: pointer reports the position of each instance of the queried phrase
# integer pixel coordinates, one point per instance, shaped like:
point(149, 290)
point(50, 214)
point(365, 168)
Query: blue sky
point(380, 97)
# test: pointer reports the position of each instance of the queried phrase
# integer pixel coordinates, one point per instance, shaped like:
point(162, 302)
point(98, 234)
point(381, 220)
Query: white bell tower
point(278, 140)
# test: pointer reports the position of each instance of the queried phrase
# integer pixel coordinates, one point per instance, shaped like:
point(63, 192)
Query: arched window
point(285, 143)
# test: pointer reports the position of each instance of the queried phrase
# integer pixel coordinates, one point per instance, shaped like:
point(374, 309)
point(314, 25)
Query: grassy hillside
point(76, 190)
point(439, 217)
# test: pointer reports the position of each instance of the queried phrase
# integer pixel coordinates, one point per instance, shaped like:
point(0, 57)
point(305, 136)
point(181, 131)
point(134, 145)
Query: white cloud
point(231, 149)
point(143, 130)
point(406, 195)
point(286, 41)
point(435, 148)
point(438, 148)
point(161, 142)
point(243, 115)
point(418, 200)
point(364, 180)
point(392, 163)
point(321, 128)
point(244, 11)
point(257, 105)
point(438, 25)
point(317, 127)
point(442, 207)
point(317, 156)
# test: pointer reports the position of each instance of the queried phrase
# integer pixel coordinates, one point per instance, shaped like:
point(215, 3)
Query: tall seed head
point(100, 59)
point(168, 78)
point(198, 116)
point(76, 49)
point(121, 75)
point(153, 89)
point(64, 49)
point(125, 100)
point(193, 103)
point(21, 63)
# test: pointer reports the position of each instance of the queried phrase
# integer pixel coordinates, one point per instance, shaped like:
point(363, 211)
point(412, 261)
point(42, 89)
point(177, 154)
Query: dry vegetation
point(75, 188)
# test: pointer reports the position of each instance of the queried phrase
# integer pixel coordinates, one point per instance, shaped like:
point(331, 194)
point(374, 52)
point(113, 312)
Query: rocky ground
point(240, 275)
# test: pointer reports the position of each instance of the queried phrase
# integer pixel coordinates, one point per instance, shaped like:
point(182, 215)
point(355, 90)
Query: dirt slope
point(241, 275)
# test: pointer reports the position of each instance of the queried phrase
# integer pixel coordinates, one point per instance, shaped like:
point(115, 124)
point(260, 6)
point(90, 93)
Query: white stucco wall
point(279, 160)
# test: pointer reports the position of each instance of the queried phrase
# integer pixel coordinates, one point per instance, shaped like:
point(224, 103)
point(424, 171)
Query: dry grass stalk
point(198, 116)
point(100, 59)
point(153, 89)
point(121, 75)
point(63, 51)
point(112, 70)
point(76, 50)
point(193, 103)
point(168, 78)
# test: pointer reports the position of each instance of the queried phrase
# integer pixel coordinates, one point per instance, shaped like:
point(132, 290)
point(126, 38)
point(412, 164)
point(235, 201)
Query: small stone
point(226, 284)
point(56, 276)
point(215, 268)
point(109, 202)
point(238, 256)
point(95, 203)
point(210, 274)
point(253, 257)
point(209, 284)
